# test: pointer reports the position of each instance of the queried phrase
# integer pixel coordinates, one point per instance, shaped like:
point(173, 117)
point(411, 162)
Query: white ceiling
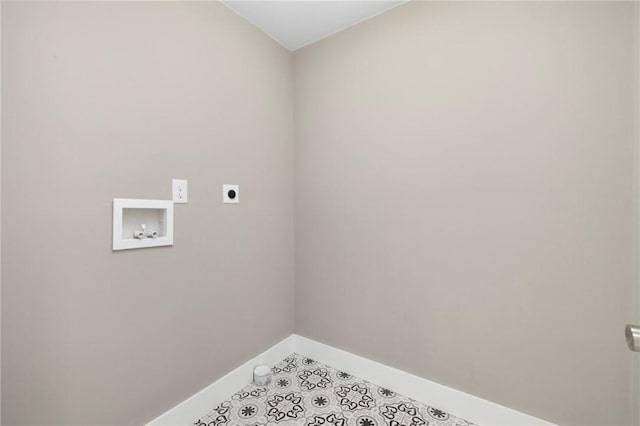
point(295, 24)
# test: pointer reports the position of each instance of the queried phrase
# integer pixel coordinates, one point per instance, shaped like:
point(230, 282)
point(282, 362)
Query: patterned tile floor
point(304, 392)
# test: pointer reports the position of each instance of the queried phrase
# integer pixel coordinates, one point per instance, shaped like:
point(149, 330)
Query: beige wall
point(105, 100)
point(463, 202)
point(636, 296)
point(0, 223)
point(464, 199)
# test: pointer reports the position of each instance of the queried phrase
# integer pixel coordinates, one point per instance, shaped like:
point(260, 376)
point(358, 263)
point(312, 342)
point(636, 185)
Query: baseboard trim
point(208, 398)
point(458, 403)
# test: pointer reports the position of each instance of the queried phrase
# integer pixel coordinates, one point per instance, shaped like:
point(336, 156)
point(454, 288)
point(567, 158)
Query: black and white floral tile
point(304, 392)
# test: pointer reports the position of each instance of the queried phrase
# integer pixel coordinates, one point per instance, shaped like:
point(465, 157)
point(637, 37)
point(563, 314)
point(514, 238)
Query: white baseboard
point(208, 398)
point(460, 404)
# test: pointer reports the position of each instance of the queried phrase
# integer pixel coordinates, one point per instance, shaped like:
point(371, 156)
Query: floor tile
point(304, 392)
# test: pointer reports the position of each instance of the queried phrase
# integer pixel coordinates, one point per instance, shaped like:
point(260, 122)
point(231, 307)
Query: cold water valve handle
point(632, 332)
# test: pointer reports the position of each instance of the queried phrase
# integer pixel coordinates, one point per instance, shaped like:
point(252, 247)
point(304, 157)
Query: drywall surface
point(0, 222)
point(464, 199)
point(114, 99)
point(635, 388)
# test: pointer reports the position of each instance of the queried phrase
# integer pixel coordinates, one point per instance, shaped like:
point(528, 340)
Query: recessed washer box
point(142, 223)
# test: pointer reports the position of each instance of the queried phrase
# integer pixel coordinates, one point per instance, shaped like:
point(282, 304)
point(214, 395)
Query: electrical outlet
point(230, 194)
point(179, 191)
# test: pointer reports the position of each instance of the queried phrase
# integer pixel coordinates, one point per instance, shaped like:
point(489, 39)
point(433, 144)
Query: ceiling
point(295, 24)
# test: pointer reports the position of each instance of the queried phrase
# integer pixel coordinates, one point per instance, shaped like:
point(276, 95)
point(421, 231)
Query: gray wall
point(463, 173)
point(464, 199)
point(0, 224)
point(105, 100)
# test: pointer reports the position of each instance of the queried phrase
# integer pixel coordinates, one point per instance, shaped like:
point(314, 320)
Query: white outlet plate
point(231, 194)
point(180, 194)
